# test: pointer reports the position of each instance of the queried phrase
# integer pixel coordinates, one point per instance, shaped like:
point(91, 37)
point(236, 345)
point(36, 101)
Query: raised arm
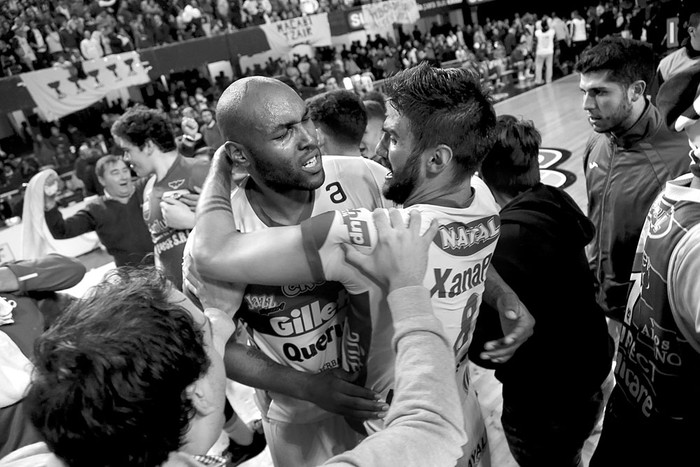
point(272, 256)
point(78, 224)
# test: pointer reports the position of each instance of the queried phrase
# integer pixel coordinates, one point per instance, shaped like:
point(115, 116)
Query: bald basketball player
point(295, 332)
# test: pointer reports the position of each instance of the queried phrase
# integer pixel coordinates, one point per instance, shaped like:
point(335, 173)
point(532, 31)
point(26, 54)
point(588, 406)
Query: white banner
point(380, 17)
point(314, 30)
point(57, 93)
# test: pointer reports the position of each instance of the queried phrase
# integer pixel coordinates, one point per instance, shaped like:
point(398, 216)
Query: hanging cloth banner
point(59, 92)
point(314, 30)
point(380, 18)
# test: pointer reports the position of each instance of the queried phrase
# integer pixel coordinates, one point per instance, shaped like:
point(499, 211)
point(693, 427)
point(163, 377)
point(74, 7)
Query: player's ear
point(439, 159)
point(636, 90)
point(236, 153)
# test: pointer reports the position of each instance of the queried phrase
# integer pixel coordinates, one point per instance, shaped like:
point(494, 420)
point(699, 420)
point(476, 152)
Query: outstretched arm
point(46, 274)
point(271, 256)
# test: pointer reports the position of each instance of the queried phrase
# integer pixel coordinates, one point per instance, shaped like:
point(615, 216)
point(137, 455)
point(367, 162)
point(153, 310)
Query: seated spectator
point(340, 120)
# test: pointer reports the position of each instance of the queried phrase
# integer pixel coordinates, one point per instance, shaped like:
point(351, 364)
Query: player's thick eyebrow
point(594, 89)
point(389, 129)
point(290, 122)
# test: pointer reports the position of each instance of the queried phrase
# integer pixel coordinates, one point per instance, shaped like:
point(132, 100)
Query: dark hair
point(694, 20)
point(513, 166)
point(341, 114)
point(104, 161)
point(374, 110)
point(375, 96)
point(446, 106)
point(139, 124)
point(111, 375)
point(625, 60)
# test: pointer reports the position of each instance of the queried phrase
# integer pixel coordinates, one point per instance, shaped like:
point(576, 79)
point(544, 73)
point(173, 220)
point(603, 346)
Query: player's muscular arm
point(271, 256)
point(517, 323)
point(331, 390)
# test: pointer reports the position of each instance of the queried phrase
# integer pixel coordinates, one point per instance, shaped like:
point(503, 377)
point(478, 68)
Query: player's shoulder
point(196, 168)
point(352, 168)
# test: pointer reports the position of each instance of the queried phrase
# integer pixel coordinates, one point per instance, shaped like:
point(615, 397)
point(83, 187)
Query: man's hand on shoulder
point(401, 255)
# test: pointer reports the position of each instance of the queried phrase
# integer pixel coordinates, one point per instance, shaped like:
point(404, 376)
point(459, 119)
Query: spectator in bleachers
point(90, 46)
point(22, 48)
point(44, 151)
point(53, 41)
point(210, 130)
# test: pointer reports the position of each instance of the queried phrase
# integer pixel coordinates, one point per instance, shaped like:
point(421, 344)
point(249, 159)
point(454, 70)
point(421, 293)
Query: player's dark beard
point(400, 186)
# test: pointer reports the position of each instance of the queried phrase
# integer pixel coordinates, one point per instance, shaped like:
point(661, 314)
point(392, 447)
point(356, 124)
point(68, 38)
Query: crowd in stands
point(501, 51)
point(36, 33)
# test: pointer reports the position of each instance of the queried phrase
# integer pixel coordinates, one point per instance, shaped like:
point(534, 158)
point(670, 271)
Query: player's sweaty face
point(282, 142)
point(398, 144)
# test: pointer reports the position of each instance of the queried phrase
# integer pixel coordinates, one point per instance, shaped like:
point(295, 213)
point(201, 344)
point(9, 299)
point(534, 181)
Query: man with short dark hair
point(116, 216)
point(653, 415)
point(540, 254)
point(169, 195)
point(340, 121)
point(626, 161)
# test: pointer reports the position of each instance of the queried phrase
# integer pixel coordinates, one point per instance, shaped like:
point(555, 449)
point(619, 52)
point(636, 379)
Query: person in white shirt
point(577, 31)
point(544, 53)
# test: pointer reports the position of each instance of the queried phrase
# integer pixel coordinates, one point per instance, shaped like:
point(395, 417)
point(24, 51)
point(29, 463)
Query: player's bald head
point(249, 104)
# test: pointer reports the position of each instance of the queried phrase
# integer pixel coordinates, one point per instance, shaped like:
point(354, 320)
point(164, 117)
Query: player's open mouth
point(312, 164)
point(389, 175)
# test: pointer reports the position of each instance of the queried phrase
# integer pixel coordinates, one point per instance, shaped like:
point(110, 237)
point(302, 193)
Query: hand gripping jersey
point(301, 325)
point(458, 261)
point(169, 243)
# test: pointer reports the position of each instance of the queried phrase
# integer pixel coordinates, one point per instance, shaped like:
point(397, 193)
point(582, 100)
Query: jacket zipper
point(602, 211)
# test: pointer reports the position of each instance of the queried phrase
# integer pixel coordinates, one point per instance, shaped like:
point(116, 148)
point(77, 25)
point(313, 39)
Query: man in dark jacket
point(116, 216)
point(627, 160)
point(541, 254)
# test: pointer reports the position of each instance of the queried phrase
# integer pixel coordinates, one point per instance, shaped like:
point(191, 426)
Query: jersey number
point(338, 195)
point(470, 310)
